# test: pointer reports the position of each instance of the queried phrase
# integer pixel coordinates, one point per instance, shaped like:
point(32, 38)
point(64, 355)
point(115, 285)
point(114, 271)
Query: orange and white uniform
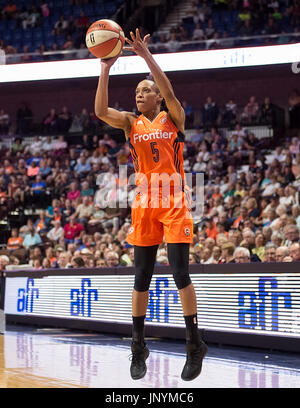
point(159, 209)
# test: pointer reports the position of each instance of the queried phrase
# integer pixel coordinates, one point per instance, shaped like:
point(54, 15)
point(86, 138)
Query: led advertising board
point(179, 61)
point(245, 303)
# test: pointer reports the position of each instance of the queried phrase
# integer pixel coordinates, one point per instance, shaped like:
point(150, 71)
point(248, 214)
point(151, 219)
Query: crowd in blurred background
point(49, 185)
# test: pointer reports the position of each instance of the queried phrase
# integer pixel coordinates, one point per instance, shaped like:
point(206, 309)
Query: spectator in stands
point(229, 113)
point(198, 33)
point(173, 44)
point(83, 211)
point(56, 232)
point(294, 251)
point(77, 262)
point(227, 252)
point(82, 167)
point(111, 259)
point(74, 192)
point(251, 111)
point(270, 253)
point(281, 253)
point(14, 241)
point(64, 260)
point(267, 112)
point(41, 224)
point(61, 26)
point(4, 261)
point(50, 122)
point(210, 29)
point(210, 112)
point(64, 120)
point(72, 230)
point(31, 239)
point(241, 255)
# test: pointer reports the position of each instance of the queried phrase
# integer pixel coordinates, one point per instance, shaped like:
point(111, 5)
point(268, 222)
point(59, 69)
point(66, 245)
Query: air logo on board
point(26, 297)
point(256, 307)
point(82, 299)
point(160, 299)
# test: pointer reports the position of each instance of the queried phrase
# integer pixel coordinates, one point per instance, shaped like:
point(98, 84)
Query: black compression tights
point(144, 258)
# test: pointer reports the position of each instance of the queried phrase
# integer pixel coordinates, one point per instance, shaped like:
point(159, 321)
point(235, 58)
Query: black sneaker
point(140, 353)
point(193, 365)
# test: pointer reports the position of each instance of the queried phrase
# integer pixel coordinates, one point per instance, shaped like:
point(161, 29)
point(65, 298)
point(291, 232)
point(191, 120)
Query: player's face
point(146, 96)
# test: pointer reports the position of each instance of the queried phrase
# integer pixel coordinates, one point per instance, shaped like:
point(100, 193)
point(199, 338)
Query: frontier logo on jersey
point(158, 134)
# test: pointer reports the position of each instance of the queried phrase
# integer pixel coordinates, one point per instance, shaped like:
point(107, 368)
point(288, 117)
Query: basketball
point(105, 39)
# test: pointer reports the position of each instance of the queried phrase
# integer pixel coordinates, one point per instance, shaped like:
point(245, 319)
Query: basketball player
point(156, 143)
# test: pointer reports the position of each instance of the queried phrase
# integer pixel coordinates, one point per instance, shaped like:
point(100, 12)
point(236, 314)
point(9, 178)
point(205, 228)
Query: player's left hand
point(137, 44)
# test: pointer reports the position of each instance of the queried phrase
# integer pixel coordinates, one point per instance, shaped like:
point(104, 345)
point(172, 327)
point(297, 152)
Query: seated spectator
point(63, 260)
point(34, 148)
point(210, 112)
point(83, 211)
point(41, 223)
point(227, 253)
point(271, 188)
point(72, 230)
point(61, 26)
point(4, 261)
point(31, 239)
point(111, 259)
point(15, 241)
point(270, 253)
point(241, 255)
point(17, 146)
point(82, 167)
point(64, 120)
point(251, 111)
point(77, 262)
point(267, 111)
point(294, 251)
point(59, 146)
point(281, 253)
point(50, 122)
point(44, 169)
point(259, 248)
point(173, 44)
point(74, 192)
point(86, 190)
point(56, 232)
point(229, 113)
point(67, 210)
point(198, 33)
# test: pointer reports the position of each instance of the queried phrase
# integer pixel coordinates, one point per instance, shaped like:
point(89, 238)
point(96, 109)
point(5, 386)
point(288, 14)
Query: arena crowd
point(49, 189)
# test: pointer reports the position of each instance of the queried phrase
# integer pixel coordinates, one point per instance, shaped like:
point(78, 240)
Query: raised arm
point(175, 109)
point(113, 117)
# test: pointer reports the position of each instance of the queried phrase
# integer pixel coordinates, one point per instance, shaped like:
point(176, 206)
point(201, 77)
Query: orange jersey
point(157, 146)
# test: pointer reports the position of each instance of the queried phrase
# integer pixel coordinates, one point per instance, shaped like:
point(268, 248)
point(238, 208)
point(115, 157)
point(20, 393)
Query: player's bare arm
point(113, 117)
point(140, 47)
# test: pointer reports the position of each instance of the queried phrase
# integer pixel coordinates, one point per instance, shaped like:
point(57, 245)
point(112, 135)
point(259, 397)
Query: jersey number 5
point(155, 151)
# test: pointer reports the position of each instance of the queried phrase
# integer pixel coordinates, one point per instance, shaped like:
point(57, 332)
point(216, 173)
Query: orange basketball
point(105, 39)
